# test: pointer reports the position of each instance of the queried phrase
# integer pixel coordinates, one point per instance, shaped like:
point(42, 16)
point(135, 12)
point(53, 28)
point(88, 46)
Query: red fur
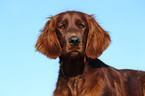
point(47, 42)
point(81, 73)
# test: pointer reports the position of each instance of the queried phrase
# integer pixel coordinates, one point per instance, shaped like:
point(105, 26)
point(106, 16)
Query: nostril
point(74, 41)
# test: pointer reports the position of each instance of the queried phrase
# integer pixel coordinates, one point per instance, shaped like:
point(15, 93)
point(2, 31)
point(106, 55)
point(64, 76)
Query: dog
point(78, 40)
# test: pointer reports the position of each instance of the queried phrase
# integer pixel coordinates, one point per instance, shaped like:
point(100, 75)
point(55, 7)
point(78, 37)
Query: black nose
point(74, 41)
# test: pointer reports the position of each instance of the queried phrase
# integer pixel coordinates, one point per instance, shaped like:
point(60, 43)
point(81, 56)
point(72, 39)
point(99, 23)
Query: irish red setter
point(78, 40)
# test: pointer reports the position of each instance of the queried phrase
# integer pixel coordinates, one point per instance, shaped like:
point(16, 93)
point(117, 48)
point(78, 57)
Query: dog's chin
point(74, 54)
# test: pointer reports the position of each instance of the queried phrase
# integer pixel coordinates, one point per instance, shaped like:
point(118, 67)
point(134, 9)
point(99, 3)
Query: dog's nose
point(74, 41)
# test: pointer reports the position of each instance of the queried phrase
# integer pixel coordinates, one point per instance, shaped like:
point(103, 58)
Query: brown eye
point(81, 26)
point(62, 27)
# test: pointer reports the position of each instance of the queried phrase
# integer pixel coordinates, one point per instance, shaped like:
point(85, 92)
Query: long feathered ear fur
point(48, 43)
point(98, 39)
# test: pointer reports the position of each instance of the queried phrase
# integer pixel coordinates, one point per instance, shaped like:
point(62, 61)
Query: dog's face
point(72, 29)
point(72, 33)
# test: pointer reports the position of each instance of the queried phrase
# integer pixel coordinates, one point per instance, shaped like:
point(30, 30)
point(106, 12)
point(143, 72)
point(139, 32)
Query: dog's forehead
point(70, 16)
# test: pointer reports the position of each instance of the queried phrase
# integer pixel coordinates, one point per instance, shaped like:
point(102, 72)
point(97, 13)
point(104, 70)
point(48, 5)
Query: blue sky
point(24, 72)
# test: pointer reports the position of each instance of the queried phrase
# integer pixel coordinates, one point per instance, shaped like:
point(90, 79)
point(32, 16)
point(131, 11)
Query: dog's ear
point(48, 43)
point(98, 39)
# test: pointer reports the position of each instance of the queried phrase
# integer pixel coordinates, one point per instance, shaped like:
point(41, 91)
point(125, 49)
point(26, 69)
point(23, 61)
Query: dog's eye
point(62, 27)
point(81, 26)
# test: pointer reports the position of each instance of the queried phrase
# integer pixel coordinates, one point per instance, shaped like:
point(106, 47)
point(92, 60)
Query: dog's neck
point(72, 67)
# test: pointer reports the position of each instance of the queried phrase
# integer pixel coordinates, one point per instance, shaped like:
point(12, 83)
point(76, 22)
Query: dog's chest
point(75, 85)
point(79, 86)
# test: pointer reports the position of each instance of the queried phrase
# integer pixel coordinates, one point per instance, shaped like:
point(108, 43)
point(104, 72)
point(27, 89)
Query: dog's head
point(72, 33)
